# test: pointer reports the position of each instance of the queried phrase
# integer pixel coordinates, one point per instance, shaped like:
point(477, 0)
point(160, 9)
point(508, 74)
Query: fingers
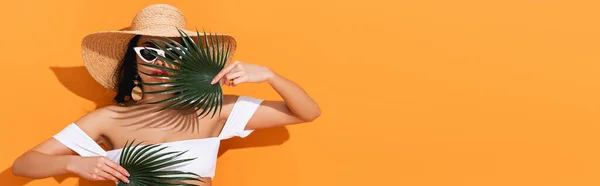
point(224, 72)
point(101, 175)
point(222, 81)
point(117, 167)
point(228, 79)
point(239, 80)
point(114, 175)
point(117, 171)
point(233, 75)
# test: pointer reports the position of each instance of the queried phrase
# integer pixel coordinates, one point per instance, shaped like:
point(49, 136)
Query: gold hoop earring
point(136, 92)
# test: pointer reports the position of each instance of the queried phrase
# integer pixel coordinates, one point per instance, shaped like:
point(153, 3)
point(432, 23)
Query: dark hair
point(126, 73)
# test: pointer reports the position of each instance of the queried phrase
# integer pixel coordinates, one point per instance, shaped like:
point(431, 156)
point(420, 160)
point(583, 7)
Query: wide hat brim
point(103, 52)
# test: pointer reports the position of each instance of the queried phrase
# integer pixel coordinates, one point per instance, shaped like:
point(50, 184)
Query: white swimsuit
point(205, 150)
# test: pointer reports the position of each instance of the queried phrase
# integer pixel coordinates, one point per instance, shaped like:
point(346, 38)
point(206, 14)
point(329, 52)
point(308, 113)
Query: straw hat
point(103, 51)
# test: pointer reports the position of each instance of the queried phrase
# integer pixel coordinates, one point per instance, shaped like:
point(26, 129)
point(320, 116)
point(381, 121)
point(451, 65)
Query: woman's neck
point(148, 98)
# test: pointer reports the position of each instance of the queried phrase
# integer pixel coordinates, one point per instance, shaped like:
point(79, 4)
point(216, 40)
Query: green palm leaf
point(146, 166)
point(196, 64)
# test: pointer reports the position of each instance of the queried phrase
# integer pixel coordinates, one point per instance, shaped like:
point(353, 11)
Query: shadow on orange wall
point(81, 83)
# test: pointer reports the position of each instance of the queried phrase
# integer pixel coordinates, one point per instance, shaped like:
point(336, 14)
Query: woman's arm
point(295, 98)
point(35, 164)
point(297, 106)
point(52, 158)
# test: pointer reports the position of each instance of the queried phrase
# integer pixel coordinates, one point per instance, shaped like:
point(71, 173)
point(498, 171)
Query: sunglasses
point(146, 54)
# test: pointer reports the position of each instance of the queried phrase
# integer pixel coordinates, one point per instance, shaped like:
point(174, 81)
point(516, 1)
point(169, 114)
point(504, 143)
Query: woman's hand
point(238, 72)
point(98, 168)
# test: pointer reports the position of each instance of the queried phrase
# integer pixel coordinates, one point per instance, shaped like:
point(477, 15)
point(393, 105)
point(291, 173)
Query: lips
point(160, 72)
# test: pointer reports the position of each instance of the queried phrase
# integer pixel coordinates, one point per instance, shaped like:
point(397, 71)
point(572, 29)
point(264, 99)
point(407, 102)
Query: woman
point(114, 59)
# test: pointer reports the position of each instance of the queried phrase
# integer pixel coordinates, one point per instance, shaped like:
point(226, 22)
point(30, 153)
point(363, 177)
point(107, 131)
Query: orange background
point(429, 92)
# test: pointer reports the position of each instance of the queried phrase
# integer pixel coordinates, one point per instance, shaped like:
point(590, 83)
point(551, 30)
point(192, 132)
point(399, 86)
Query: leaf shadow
point(81, 83)
point(78, 81)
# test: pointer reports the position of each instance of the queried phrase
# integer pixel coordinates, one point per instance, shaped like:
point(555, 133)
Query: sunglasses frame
point(159, 51)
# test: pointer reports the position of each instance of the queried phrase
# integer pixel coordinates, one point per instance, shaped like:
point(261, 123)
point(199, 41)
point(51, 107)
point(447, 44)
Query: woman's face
point(144, 56)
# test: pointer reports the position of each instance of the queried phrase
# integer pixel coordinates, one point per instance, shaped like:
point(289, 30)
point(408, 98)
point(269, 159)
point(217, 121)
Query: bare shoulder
point(229, 101)
point(93, 124)
point(97, 121)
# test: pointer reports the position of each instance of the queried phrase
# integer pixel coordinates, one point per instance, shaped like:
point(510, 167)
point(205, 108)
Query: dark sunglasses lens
point(147, 55)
